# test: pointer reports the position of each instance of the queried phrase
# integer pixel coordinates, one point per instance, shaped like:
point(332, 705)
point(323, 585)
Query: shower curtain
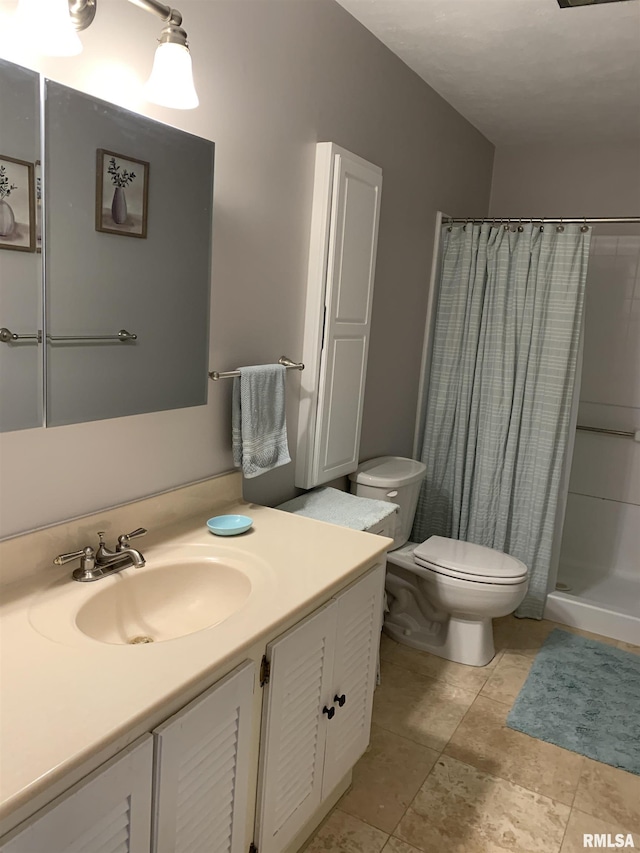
point(501, 381)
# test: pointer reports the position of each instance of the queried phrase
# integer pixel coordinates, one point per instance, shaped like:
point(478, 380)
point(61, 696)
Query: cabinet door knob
point(330, 712)
point(340, 699)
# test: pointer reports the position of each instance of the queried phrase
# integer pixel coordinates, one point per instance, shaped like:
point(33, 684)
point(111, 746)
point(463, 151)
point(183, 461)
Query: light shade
point(171, 80)
point(47, 27)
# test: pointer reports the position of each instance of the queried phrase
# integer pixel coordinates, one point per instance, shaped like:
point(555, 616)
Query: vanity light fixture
point(47, 26)
point(171, 81)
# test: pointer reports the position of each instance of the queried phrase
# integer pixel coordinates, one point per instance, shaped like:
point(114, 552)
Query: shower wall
point(600, 555)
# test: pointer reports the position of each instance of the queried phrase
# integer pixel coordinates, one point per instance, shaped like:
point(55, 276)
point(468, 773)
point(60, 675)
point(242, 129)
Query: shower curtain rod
point(584, 220)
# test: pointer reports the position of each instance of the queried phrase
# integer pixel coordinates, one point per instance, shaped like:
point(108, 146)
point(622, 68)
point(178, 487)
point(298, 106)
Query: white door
point(201, 770)
point(294, 729)
point(354, 675)
point(351, 265)
point(108, 812)
point(344, 240)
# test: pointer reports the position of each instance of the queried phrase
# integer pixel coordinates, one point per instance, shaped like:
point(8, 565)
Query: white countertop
point(65, 696)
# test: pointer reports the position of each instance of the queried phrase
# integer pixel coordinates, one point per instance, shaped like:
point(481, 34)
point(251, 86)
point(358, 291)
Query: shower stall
point(594, 582)
point(597, 582)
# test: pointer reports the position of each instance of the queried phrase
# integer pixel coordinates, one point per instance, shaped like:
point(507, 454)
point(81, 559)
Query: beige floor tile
point(611, 794)
point(460, 809)
point(394, 845)
point(629, 647)
point(589, 635)
point(580, 824)
point(508, 677)
point(387, 778)
point(469, 677)
point(501, 631)
point(520, 634)
point(418, 707)
point(484, 741)
point(342, 833)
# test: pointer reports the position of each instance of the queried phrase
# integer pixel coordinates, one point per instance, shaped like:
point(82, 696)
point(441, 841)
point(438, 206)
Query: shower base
point(604, 605)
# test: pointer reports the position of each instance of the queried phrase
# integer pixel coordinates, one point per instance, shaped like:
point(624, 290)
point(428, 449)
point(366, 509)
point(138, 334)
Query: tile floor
point(443, 774)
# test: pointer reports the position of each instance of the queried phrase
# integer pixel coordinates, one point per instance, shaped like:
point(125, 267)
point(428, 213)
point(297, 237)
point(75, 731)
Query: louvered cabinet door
point(359, 622)
point(108, 812)
point(202, 770)
point(294, 729)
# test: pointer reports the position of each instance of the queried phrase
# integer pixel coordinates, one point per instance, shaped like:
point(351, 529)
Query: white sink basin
point(177, 593)
point(164, 603)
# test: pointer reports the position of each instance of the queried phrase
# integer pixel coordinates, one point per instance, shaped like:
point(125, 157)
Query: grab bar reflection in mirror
point(7, 337)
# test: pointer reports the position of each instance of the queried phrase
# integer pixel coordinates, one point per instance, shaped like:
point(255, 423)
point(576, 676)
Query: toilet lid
point(469, 561)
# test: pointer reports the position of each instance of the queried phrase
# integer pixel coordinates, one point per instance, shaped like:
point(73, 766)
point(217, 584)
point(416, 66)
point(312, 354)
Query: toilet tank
point(394, 479)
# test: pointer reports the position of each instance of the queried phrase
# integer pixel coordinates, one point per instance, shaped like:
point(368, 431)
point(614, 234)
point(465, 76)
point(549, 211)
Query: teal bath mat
point(584, 696)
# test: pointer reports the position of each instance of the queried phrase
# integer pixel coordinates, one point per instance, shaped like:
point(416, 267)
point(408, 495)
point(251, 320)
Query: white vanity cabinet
point(107, 812)
point(202, 763)
point(199, 763)
point(317, 714)
point(189, 785)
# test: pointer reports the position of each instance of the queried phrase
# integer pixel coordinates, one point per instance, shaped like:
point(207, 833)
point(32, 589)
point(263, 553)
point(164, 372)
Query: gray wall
point(590, 179)
point(274, 77)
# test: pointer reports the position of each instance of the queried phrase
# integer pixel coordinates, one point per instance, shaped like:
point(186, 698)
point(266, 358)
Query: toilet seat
point(470, 562)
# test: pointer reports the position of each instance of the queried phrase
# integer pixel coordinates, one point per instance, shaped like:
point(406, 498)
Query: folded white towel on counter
point(336, 507)
point(258, 423)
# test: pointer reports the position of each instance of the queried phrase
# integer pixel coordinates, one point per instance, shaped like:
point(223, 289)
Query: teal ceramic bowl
point(229, 525)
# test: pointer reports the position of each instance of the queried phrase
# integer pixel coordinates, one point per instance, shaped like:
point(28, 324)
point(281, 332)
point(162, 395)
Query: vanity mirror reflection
point(127, 244)
point(20, 263)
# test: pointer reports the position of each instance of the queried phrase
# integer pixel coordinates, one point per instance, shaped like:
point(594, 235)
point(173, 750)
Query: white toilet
point(442, 593)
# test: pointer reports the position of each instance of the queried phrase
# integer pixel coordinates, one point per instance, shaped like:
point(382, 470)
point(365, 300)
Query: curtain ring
point(520, 227)
point(560, 228)
point(584, 228)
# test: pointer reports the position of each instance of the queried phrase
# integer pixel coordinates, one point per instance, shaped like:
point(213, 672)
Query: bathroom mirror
point(20, 262)
point(128, 208)
point(127, 205)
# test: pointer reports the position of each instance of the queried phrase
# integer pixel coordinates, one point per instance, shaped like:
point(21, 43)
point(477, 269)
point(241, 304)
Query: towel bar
point(283, 360)
point(7, 337)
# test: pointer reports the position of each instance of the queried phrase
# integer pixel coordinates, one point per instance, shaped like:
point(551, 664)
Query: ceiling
point(521, 71)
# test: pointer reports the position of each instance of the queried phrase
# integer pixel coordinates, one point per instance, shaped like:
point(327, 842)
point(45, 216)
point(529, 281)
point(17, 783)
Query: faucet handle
point(123, 540)
point(87, 554)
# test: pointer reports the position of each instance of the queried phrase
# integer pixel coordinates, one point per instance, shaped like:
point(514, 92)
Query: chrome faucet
point(103, 562)
point(123, 554)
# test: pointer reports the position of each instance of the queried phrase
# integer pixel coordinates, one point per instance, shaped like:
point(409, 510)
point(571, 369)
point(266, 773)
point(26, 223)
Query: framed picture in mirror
point(38, 191)
point(122, 191)
point(17, 205)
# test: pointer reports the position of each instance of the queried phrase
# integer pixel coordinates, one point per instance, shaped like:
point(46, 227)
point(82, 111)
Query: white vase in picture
point(119, 206)
point(7, 219)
